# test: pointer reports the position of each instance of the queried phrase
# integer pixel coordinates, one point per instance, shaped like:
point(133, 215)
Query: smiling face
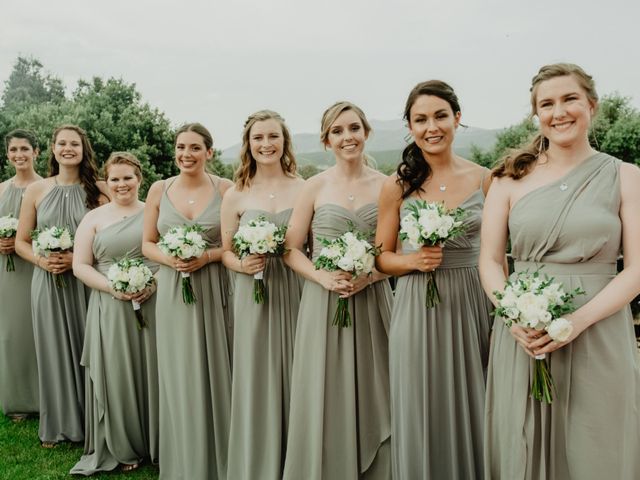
point(347, 137)
point(191, 152)
point(564, 111)
point(123, 183)
point(266, 142)
point(21, 154)
point(432, 124)
point(67, 148)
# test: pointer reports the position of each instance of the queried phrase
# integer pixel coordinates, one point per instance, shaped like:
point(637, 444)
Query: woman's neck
point(68, 175)
point(442, 162)
point(267, 175)
point(350, 170)
point(570, 155)
point(25, 177)
point(193, 180)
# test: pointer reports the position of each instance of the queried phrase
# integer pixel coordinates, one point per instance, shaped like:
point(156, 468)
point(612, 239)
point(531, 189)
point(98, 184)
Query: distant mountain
point(385, 143)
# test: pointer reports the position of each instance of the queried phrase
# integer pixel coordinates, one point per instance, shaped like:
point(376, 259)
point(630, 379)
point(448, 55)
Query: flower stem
point(259, 290)
point(11, 267)
point(188, 297)
point(433, 296)
point(342, 317)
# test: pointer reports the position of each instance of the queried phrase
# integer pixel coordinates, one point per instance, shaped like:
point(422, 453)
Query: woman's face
point(191, 152)
point(21, 154)
point(564, 111)
point(433, 124)
point(67, 149)
point(123, 184)
point(266, 142)
point(347, 137)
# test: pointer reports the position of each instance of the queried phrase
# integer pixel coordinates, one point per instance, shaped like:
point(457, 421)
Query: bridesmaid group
point(227, 388)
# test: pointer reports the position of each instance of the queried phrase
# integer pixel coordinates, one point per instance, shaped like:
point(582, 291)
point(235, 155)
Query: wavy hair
point(519, 162)
point(247, 168)
point(414, 169)
point(88, 170)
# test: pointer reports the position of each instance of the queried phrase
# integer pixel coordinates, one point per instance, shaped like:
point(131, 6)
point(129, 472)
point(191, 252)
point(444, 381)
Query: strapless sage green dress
point(18, 365)
point(58, 326)
point(121, 364)
point(339, 425)
point(194, 358)
point(263, 337)
point(591, 431)
point(438, 359)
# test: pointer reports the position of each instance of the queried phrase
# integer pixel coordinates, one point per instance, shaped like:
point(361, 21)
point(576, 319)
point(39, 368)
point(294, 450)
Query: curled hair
point(123, 158)
point(519, 162)
point(27, 135)
point(88, 170)
point(332, 113)
point(414, 169)
point(200, 130)
point(247, 168)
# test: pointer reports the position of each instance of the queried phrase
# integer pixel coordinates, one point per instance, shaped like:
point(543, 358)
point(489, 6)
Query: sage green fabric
point(438, 358)
point(58, 327)
point(264, 336)
point(571, 227)
point(194, 359)
point(339, 424)
point(18, 365)
point(120, 363)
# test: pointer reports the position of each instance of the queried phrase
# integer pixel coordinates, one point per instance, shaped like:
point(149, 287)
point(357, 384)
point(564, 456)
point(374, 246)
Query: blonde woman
point(339, 423)
point(266, 186)
point(571, 210)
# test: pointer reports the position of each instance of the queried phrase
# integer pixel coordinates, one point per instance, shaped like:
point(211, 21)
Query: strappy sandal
point(129, 467)
point(48, 444)
point(18, 417)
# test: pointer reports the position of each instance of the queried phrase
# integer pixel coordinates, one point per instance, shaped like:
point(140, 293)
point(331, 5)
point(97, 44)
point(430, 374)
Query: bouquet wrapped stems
point(140, 321)
point(59, 280)
point(342, 317)
point(259, 289)
point(432, 295)
point(11, 266)
point(542, 385)
point(188, 296)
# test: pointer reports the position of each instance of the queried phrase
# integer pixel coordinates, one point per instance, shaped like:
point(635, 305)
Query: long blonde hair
point(247, 169)
point(519, 162)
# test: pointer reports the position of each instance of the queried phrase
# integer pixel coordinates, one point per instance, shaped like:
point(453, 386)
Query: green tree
point(616, 128)
point(510, 138)
point(308, 170)
point(29, 85)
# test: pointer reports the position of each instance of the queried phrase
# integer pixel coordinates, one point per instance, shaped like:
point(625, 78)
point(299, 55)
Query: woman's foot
point(18, 417)
point(48, 444)
point(129, 467)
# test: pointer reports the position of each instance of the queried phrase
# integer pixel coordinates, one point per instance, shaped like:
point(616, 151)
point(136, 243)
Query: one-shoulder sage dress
point(121, 364)
point(264, 336)
point(339, 425)
point(58, 326)
point(591, 431)
point(18, 365)
point(194, 358)
point(438, 359)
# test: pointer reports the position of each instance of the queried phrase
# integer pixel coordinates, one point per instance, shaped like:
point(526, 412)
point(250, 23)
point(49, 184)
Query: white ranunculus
point(137, 278)
point(554, 294)
point(345, 263)
point(65, 240)
point(368, 263)
point(560, 329)
point(532, 308)
point(429, 222)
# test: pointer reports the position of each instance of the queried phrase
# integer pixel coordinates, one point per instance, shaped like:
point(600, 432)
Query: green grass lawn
point(22, 457)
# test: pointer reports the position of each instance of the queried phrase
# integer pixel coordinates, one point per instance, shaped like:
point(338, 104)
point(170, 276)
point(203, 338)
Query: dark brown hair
point(414, 169)
point(27, 135)
point(200, 130)
point(519, 162)
point(88, 169)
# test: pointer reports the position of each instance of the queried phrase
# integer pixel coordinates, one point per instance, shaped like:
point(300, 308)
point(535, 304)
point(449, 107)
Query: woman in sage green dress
point(339, 423)
point(59, 313)
point(18, 366)
point(569, 210)
point(266, 186)
point(438, 355)
point(119, 357)
point(194, 340)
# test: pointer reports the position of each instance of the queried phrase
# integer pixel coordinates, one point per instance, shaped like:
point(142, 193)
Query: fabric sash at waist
point(459, 258)
point(604, 269)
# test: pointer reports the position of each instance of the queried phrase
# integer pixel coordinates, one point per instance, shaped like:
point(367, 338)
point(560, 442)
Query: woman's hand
point(545, 344)
point(427, 259)
point(252, 264)
point(358, 284)
point(7, 245)
point(189, 265)
point(56, 262)
point(145, 294)
point(338, 281)
point(525, 337)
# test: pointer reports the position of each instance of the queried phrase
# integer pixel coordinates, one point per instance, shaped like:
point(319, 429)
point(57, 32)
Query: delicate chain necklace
point(443, 187)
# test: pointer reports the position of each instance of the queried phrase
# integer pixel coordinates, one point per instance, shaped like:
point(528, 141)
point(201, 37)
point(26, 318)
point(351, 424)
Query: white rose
point(560, 329)
point(368, 263)
point(346, 263)
point(65, 240)
point(554, 294)
point(429, 222)
point(532, 308)
point(137, 279)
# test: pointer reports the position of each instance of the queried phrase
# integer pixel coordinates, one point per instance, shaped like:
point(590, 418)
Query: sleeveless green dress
point(592, 428)
point(339, 425)
point(58, 327)
point(18, 365)
point(121, 364)
point(194, 359)
point(438, 358)
point(263, 338)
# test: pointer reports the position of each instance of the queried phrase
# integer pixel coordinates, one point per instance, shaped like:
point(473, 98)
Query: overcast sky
point(217, 62)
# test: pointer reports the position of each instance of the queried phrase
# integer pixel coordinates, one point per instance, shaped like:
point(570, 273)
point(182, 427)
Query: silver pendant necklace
point(443, 187)
point(563, 186)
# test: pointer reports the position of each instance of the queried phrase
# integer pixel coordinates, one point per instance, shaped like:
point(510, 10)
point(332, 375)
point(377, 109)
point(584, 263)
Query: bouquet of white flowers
point(350, 252)
point(431, 224)
point(531, 301)
point(8, 229)
point(131, 276)
point(184, 242)
point(260, 237)
point(52, 239)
